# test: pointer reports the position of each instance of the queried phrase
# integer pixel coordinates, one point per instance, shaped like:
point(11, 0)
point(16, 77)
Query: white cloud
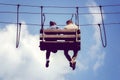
point(96, 18)
point(27, 62)
point(97, 55)
point(99, 62)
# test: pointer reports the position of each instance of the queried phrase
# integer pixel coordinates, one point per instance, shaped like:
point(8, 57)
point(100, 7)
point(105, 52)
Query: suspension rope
point(18, 28)
point(77, 16)
point(42, 21)
point(33, 24)
point(72, 17)
point(108, 5)
point(18, 35)
point(104, 42)
point(42, 17)
point(13, 12)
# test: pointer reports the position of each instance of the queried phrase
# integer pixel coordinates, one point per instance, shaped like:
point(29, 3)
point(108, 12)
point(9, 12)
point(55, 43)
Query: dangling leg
point(75, 55)
point(74, 58)
point(47, 58)
point(68, 57)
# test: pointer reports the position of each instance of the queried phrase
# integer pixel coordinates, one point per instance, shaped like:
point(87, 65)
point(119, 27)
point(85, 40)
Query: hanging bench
point(60, 39)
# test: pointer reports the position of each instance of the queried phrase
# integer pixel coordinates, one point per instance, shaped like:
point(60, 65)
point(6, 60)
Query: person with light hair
point(71, 25)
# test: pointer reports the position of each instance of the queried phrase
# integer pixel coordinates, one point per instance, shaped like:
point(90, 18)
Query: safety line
point(104, 42)
point(107, 5)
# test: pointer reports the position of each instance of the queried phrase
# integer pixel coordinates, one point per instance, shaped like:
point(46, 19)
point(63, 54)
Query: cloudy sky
point(27, 62)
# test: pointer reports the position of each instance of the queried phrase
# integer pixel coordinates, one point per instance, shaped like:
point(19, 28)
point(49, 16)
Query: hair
point(52, 23)
point(69, 21)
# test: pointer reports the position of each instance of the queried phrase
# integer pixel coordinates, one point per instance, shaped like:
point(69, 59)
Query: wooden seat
point(60, 39)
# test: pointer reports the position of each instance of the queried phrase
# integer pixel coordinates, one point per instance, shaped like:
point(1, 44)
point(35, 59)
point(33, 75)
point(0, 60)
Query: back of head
point(52, 23)
point(69, 22)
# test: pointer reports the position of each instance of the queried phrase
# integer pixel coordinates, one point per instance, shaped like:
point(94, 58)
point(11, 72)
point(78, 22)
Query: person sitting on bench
point(52, 26)
point(70, 25)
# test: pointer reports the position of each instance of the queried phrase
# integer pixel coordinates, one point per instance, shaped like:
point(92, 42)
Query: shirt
point(71, 26)
point(53, 27)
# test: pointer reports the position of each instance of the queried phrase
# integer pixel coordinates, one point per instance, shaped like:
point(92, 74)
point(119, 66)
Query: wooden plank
point(59, 36)
point(60, 41)
point(63, 37)
point(59, 31)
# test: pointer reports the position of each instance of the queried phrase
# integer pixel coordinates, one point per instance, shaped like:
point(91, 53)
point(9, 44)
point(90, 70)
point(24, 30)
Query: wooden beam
point(59, 37)
point(59, 31)
point(60, 41)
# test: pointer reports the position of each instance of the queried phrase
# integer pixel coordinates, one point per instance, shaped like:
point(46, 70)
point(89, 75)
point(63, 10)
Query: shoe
point(74, 65)
point(47, 63)
point(71, 64)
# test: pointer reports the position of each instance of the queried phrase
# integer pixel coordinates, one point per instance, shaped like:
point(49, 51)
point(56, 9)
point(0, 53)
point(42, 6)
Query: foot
point(47, 63)
point(74, 65)
point(71, 64)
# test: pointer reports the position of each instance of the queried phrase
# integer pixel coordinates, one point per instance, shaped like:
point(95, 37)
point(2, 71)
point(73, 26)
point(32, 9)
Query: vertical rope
point(72, 17)
point(42, 22)
point(41, 17)
point(104, 42)
point(44, 19)
point(77, 16)
point(17, 34)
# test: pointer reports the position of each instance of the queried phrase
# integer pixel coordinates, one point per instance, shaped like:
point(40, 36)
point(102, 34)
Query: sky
point(27, 62)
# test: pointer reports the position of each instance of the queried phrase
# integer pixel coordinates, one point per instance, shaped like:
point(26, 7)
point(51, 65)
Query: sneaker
point(47, 63)
point(74, 65)
point(71, 64)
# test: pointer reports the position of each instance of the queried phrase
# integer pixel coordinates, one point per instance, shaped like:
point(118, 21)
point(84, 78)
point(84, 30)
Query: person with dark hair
point(70, 25)
point(53, 25)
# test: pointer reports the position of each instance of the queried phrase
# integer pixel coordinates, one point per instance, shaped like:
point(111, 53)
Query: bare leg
point(74, 58)
point(75, 54)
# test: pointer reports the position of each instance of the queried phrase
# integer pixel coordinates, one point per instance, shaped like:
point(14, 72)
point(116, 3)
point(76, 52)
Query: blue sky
point(28, 63)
